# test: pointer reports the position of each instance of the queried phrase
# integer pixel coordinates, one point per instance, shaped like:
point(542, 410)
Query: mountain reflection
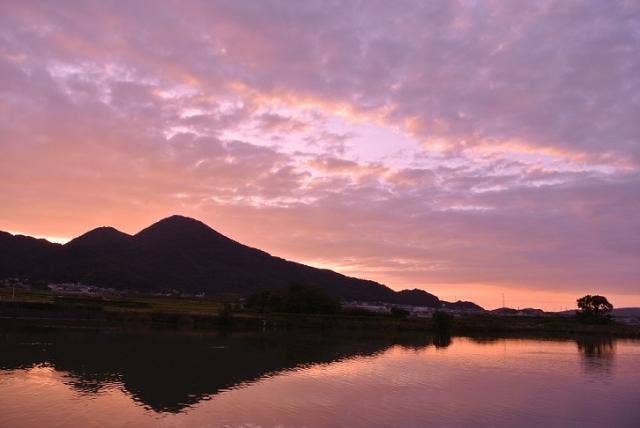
point(168, 372)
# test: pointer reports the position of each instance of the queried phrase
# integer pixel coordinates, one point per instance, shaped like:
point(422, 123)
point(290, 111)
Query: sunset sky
point(468, 148)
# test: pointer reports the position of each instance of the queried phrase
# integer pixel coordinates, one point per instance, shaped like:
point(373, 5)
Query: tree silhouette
point(594, 307)
point(296, 298)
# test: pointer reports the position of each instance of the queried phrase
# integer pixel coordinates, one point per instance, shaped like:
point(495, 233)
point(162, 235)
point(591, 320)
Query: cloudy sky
point(468, 148)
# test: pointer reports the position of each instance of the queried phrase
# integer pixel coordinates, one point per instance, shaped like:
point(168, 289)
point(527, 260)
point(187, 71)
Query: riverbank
point(46, 309)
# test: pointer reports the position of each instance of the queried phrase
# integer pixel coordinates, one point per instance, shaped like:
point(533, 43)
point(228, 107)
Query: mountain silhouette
point(180, 254)
point(99, 237)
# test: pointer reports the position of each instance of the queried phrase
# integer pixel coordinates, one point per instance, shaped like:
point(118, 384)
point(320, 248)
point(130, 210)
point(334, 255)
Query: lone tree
point(594, 307)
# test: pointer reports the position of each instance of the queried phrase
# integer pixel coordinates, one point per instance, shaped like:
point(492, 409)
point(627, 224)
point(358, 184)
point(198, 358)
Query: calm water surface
point(137, 380)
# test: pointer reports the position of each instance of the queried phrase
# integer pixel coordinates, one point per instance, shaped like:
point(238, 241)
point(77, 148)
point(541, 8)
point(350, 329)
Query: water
point(99, 379)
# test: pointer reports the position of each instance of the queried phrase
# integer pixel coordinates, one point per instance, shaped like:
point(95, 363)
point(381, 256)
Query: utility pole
point(503, 305)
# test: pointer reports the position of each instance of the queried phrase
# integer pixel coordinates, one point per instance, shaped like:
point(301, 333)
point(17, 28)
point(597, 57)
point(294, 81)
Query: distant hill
point(182, 254)
point(627, 312)
point(629, 316)
point(619, 312)
point(533, 312)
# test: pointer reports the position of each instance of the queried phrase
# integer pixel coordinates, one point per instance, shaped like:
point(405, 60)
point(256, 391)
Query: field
point(46, 308)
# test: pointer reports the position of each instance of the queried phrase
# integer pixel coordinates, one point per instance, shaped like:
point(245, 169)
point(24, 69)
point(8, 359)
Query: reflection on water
point(442, 340)
point(598, 354)
point(150, 379)
point(170, 371)
point(597, 347)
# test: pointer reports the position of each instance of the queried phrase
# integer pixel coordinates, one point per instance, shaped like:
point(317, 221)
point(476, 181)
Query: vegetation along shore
point(45, 308)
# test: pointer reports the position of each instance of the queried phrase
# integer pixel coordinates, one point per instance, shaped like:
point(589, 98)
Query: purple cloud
point(419, 144)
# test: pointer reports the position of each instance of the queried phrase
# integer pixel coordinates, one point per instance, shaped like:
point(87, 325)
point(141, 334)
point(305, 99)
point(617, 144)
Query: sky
point(473, 149)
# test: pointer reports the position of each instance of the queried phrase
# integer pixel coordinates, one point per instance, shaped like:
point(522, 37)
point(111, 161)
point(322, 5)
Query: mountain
point(99, 237)
point(23, 255)
point(417, 297)
point(183, 254)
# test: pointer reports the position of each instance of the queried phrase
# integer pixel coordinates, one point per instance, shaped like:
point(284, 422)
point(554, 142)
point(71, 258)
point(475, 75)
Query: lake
point(108, 379)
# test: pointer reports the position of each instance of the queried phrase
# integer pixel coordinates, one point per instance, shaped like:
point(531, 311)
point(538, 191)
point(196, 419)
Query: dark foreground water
point(72, 379)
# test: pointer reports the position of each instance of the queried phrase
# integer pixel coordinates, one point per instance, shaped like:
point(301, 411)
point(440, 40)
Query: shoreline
point(37, 308)
point(22, 314)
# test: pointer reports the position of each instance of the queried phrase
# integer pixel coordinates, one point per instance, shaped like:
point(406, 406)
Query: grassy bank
point(44, 308)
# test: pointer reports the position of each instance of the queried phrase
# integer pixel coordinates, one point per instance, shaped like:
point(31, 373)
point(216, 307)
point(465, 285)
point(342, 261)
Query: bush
point(399, 312)
point(296, 298)
point(442, 321)
point(359, 312)
point(225, 316)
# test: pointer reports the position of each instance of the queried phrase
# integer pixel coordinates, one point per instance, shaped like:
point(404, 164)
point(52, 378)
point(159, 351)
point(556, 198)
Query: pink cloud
point(523, 172)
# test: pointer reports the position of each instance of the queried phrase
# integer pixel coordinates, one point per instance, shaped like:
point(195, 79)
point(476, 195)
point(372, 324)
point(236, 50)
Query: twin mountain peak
point(184, 254)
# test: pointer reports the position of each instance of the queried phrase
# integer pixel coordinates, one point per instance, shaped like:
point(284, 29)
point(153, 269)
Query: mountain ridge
point(183, 254)
point(99, 235)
